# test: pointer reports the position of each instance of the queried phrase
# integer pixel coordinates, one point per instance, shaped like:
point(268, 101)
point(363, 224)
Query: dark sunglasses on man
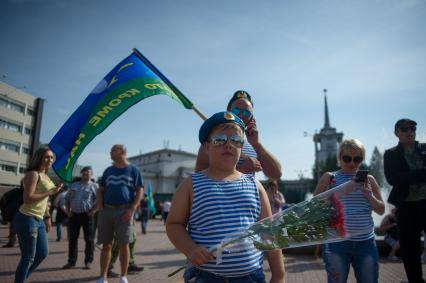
point(245, 112)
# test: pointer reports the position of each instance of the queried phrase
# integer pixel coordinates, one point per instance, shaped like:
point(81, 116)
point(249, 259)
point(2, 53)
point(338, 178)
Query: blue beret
point(239, 94)
point(217, 119)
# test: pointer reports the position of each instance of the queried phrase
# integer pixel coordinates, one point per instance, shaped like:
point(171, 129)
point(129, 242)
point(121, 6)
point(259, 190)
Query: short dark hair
point(86, 168)
point(404, 121)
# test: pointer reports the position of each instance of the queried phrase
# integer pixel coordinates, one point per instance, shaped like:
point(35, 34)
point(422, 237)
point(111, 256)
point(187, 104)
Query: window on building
point(9, 145)
point(30, 111)
point(28, 131)
point(6, 166)
point(16, 107)
point(10, 125)
point(25, 149)
point(22, 168)
point(3, 102)
point(11, 105)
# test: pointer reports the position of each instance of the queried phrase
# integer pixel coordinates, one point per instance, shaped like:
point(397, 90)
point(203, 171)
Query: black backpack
point(10, 203)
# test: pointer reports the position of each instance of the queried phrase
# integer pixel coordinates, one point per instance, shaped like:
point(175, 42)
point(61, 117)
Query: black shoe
point(9, 245)
point(68, 266)
point(87, 265)
point(112, 274)
point(133, 269)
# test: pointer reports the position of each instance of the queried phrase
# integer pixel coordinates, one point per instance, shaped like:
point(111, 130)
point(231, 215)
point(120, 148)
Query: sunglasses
point(237, 111)
point(348, 159)
point(406, 129)
point(221, 139)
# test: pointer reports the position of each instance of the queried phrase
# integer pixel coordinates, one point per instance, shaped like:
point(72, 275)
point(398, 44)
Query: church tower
point(327, 140)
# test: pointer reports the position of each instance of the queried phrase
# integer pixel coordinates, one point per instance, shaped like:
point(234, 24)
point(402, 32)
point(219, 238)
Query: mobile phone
point(361, 176)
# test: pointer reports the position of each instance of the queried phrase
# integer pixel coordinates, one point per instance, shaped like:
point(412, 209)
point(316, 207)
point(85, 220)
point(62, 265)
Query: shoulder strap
point(21, 186)
point(332, 177)
point(332, 180)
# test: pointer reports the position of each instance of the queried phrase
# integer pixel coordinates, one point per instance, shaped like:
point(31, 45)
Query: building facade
point(20, 125)
point(165, 169)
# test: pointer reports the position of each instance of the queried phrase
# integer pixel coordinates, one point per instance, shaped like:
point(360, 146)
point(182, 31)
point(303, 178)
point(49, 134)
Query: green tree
point(330, 165)
point(376, 166)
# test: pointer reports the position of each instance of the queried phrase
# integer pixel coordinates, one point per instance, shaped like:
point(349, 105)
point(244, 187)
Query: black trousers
point(76, 221)
point(411, 220)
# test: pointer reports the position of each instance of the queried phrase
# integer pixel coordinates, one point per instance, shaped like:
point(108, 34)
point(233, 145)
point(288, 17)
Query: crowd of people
point(219, 199)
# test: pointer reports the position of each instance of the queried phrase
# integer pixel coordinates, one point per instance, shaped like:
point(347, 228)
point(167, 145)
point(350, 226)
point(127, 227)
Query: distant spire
point(327, 120)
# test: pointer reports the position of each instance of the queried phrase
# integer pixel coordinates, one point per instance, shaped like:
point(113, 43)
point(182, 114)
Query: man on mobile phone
point(254, 157)
point(405, 170)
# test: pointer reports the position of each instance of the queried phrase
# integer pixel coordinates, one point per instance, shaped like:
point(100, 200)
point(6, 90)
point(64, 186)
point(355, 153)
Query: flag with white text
point(132, 80)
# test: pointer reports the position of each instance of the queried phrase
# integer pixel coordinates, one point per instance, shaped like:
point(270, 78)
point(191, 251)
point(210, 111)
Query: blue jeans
point(58, 231)
point(363, 256)
point(194, 275)
point(32, 238)
point(144, 224)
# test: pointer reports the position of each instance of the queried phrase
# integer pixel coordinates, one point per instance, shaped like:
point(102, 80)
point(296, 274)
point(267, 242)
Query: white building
point(20, 125)
point(165, 169)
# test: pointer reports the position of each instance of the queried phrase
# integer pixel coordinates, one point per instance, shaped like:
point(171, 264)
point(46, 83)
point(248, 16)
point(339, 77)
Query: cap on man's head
point(404, 122)
point(86, 168)
point(239, 94)
point(217, 119)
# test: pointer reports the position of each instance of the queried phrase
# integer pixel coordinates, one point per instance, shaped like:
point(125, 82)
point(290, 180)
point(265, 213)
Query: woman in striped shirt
point(217, 203)
point(360, 249)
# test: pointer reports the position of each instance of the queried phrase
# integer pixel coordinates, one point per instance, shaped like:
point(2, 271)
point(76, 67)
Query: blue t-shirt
point(120, 184)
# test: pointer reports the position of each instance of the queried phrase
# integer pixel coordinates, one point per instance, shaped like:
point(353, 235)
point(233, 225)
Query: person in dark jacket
point(405, 170)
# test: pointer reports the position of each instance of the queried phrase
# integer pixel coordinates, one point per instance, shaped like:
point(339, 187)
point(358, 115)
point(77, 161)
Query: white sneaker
point(101, 280)
point(123, 279)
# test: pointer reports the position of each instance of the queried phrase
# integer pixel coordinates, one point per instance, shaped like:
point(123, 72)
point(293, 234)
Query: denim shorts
point(195, 275)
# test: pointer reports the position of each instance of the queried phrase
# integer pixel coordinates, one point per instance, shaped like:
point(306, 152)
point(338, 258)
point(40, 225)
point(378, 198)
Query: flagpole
point(201, 114)
point(193, 107)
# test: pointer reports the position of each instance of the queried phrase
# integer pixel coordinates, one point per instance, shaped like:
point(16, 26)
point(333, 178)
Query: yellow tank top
point(37, 209)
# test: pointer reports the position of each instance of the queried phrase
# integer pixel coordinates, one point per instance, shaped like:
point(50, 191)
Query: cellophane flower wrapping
point(316, 221)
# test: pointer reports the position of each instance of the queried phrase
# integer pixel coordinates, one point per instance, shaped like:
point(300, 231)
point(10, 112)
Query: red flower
point(337, 219)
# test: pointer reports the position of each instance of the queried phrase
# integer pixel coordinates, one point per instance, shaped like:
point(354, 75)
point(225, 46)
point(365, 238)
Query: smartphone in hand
point(361, 176)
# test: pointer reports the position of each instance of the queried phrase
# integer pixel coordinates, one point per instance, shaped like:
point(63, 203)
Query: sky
point(370, 55)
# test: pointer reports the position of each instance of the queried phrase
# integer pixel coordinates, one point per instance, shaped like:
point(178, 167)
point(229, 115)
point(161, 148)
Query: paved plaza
point(158, 256)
